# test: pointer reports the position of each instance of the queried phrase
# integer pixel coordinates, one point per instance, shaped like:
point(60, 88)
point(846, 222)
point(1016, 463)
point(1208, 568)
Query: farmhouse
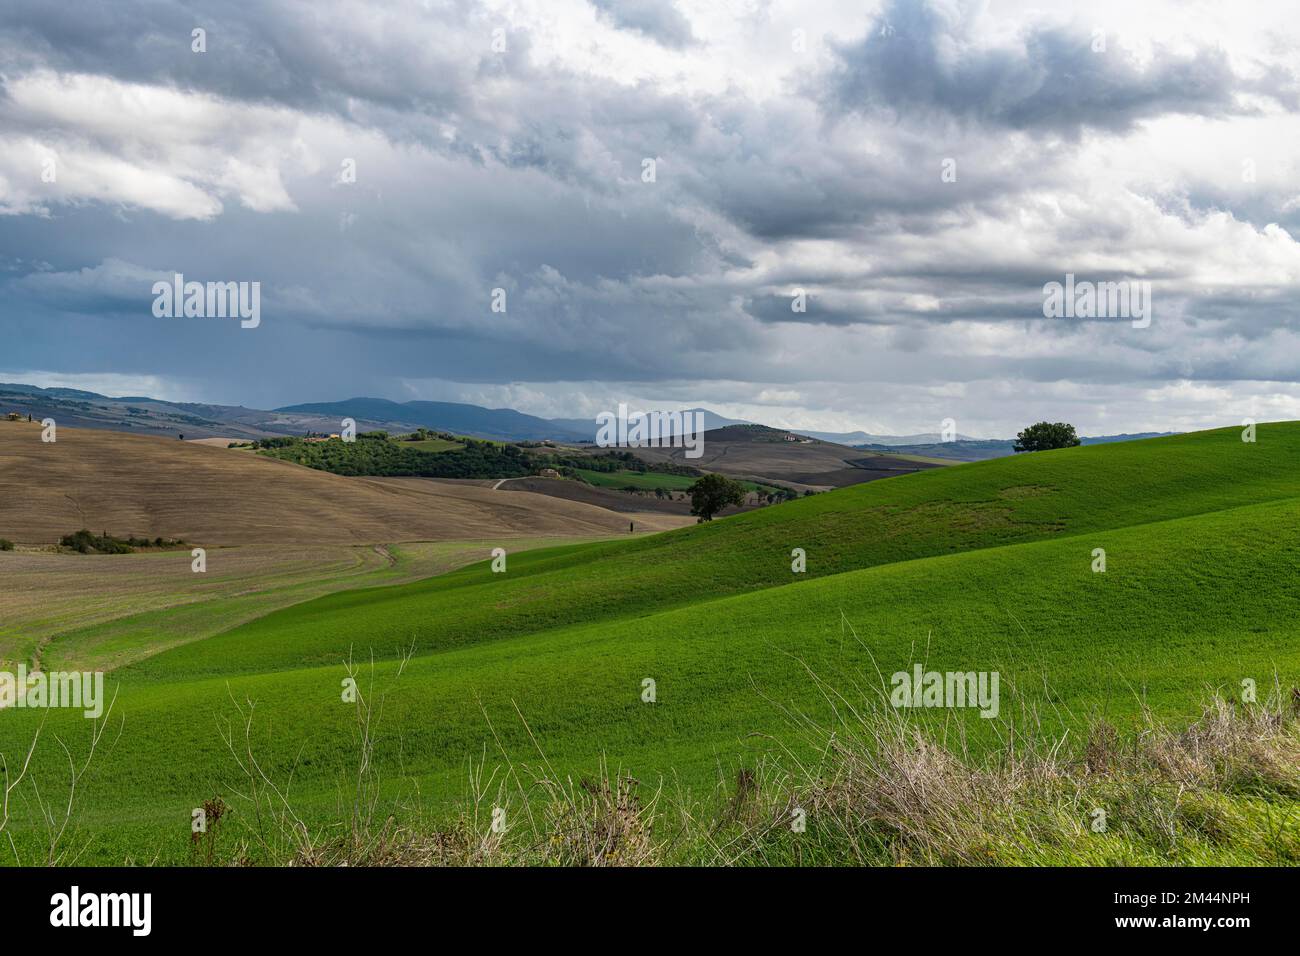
point(549, 473)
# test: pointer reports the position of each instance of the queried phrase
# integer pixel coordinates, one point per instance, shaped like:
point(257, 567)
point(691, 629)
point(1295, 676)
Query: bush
point(86, 543)
point(6, 544)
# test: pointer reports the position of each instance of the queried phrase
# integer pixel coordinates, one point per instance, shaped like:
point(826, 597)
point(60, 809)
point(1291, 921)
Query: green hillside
point(976, 506)
point(984, 567)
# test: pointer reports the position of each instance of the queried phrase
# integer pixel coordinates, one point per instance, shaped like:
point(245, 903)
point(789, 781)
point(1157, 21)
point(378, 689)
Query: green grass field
point(984, 566)
point(647, 480)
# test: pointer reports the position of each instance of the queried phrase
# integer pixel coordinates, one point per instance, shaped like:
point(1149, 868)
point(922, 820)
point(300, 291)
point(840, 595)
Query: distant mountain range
point(151, 416)
point(501, 424)
point(81, 409)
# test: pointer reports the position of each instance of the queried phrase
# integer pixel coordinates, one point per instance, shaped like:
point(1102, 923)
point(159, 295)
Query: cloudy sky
point(920, 169)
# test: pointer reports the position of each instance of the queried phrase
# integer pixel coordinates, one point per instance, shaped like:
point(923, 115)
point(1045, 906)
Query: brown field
point(145, 486)
point(276, 534)
point(611, 498)
point(214, 442)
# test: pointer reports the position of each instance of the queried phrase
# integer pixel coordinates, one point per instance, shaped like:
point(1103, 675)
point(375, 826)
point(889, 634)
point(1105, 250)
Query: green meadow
point(646, 480)
point(987, 566)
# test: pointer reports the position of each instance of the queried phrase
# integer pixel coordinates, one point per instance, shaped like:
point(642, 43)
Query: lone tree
point(712, 493)
point(1045, 436)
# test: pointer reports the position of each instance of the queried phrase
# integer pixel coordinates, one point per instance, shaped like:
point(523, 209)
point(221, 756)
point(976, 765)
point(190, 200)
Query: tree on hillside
point(712, 493)
point(1045, 436)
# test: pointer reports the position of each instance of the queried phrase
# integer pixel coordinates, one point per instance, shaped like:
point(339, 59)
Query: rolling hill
point(761, 454)
point(148, 486)
point(941, 512)
point(986, 566)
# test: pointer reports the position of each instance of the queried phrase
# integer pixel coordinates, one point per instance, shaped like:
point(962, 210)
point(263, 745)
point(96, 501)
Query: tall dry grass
point(881, 787)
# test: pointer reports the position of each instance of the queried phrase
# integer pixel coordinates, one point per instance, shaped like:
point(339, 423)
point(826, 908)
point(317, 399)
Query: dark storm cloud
point(916, 59)
point(318, 56)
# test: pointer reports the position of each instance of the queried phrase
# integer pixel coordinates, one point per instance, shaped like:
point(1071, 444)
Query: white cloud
point(174, 152)
point(104, 383)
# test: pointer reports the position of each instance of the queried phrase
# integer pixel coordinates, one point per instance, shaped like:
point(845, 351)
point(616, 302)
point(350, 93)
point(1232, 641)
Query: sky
point(818, 215)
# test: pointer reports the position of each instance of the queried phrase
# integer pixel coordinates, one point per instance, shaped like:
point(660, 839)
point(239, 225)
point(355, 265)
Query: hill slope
point(944, 511)
point(762, 454)
point(1064, 640)
point(134, 484)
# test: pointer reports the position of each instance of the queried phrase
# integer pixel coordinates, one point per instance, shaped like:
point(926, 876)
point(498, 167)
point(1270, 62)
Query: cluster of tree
point(104, 543)
point(608, 462)
point(6, 544)
point(611, 461)
point(284, 441)
point(712, 493)
point(779, 494)
point(373, 454)
point(428, 434)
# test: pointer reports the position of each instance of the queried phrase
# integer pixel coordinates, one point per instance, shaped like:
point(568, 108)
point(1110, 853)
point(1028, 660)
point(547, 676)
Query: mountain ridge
point(145, 415)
